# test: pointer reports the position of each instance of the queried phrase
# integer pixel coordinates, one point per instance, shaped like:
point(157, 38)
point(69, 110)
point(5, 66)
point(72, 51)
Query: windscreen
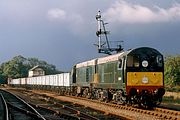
point(145, 61)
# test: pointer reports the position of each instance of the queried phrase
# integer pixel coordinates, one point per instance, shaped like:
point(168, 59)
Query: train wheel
point(85, 92)
point(96, 94)
point(143, 105)
point(121, 99)
point(146, 103)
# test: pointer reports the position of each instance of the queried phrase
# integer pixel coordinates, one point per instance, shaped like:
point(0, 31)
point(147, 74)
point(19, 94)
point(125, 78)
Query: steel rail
point(163, 113)
point(76, 112)
point(6, 114)
point(26, 104)
point(64, 114)
point(25, 111)
point(30, 107)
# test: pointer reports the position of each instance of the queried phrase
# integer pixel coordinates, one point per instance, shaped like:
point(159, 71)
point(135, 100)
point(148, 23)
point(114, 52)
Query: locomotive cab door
point(73, 74)
point(121, 62)
point(121, 78)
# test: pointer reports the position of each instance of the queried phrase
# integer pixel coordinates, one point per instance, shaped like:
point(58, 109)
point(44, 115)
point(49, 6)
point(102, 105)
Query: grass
point(171, 99)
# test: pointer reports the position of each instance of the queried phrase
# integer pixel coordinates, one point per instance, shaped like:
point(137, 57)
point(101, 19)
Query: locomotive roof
point(146, 50)
point(111, 58)
point(101, 60)
point(86, 63)
point(115, 57)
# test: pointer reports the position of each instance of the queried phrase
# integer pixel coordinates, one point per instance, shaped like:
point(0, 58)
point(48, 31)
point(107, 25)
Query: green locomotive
point(134, 76)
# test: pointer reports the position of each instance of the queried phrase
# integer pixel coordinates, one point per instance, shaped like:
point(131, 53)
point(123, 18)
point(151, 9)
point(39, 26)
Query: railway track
point(156, 113)
point(81, 112)
point(126, 112)
point(4, 115)
point(66, 110)
point(18, 109)
point(48, 111)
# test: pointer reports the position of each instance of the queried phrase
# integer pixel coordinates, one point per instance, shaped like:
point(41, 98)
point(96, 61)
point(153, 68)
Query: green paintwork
point(109, 73)
point(84, 75)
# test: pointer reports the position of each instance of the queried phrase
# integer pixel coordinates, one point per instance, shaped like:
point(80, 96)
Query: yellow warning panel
point(144, 78)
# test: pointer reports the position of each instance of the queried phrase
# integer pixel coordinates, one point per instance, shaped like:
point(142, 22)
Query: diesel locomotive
point(133, 77)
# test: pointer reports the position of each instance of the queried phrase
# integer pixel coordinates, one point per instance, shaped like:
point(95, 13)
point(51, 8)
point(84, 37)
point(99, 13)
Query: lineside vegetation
point(172, 73)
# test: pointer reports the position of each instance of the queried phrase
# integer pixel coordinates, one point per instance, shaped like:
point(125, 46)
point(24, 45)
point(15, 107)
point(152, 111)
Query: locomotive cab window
point(133, 61)
point(136, 61)
point(130, 61)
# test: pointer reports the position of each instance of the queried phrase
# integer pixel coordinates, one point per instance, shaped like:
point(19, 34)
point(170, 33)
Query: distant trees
point(19, 67)
point(172, 70)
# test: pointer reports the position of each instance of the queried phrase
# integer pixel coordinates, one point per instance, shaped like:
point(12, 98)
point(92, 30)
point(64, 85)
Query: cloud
point(124, 12)
point(56, 13)
point(71, 20)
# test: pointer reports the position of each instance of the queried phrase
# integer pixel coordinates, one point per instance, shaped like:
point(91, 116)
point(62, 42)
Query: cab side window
point(120, 64)
point(159, 61)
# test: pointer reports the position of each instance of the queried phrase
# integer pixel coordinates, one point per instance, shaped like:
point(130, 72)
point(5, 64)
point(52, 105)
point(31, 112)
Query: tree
point(18, 67)
point(172, 70)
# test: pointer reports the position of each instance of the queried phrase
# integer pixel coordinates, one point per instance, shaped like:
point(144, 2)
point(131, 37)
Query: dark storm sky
point(62, 32)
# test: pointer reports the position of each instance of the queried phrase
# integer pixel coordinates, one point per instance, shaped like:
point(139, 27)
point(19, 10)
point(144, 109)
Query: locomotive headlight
point(145, 63)
point(137, 90)
point(145, 80)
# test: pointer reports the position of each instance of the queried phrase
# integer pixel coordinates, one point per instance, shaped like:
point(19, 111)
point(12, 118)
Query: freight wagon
point(59, 82)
